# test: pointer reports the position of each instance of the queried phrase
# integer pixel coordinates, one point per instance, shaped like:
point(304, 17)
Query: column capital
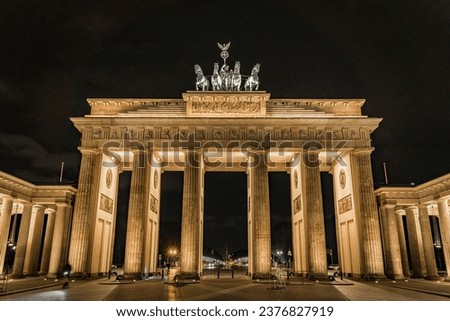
point(389, 204)
point(89, 150)
point(140, 151)
point(361, 151)
point(311, 151)
point(50, 210)
point(400, 211)
point(257, 151)
point(8, 197)
point(61, 204)
point(423, 206)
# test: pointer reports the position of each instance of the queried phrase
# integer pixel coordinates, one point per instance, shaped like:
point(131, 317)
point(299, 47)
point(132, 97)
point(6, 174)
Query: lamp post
point(172, 255)
point(289, 254)
point(279, 253)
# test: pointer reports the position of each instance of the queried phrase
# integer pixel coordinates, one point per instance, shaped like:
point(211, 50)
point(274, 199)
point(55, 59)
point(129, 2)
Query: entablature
point(22, 190)
point(429, 192)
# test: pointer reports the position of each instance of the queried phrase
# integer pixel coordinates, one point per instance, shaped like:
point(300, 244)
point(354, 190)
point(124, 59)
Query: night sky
point(55, 54)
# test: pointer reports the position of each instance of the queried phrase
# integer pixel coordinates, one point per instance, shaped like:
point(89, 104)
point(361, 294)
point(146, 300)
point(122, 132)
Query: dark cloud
point(33, 162)
point(55, 54)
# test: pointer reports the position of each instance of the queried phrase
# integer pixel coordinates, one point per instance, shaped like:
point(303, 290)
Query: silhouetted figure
point(66, 274)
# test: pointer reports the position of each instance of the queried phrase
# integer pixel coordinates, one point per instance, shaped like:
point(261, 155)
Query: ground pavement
point(240, 288)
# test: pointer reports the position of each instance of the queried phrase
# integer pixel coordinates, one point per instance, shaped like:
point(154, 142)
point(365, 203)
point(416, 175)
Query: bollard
point(232, 274)
point(218, 273)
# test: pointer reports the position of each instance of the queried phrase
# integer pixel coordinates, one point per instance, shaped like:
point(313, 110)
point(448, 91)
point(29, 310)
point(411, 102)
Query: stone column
point(47, 246)
point(317, 252)
point(22, 240)
point(137, 213)
point(57, 243)
point(5, 221)
point(415, 242)
point(259, 203)
point(83, 211)
point(191, 215)
point(370, 225)
point(392, 244)
point(428, 247)
point(34, 242)
point(402, 242)
point(444, 222)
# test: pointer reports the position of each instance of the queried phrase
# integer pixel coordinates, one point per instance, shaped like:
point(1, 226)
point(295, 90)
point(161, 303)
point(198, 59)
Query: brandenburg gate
point(226, 126)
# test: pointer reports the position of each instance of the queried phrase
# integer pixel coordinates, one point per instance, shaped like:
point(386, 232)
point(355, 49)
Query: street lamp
point(289, 254)
point(279, 253)
point(172, 254)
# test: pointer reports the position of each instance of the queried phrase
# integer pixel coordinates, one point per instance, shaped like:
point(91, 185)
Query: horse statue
point(216, 80)
point(201, 81)
point(236, 78)
point(252, 82)
point(226, 74)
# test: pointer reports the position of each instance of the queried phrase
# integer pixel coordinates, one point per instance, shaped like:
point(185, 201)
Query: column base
point(129, 276)
point(51, 275)
point(319, 277)
point(374, 276)
point(432, 277)
point(262, 276)
point(17, 276)
point(447, 279)
point(194, 276)
point(78, 275)
point(396, 277)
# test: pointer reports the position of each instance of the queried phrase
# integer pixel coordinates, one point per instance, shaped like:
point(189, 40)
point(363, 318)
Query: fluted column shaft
point(48, 238)
point(370, 225)
point(82, 215)
point(259, 202)
point(444, 220)
point(317, 252)
point(392, 244)
point(191, 213)
point(428, 247)
point(402, 242)
point(34, 243)
point(415, 242)
point(5, 221)
point(22, 240)
point(57, 242)
point(134, 246)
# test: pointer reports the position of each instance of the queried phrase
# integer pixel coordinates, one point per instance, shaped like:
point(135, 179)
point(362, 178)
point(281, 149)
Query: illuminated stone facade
point(34, 227)
point(208, 131)
point(416, 228)
point(226, 131)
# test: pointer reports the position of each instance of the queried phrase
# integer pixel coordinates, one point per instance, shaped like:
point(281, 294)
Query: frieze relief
point(297, 204)
point(200, 134)
point(345, 204)
point(226, 107)
point(148, 134)
point(154, 204)
point(217, 134)
point(97, 133)
point(234, 133)
point(106, 203)
point(359, 136)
